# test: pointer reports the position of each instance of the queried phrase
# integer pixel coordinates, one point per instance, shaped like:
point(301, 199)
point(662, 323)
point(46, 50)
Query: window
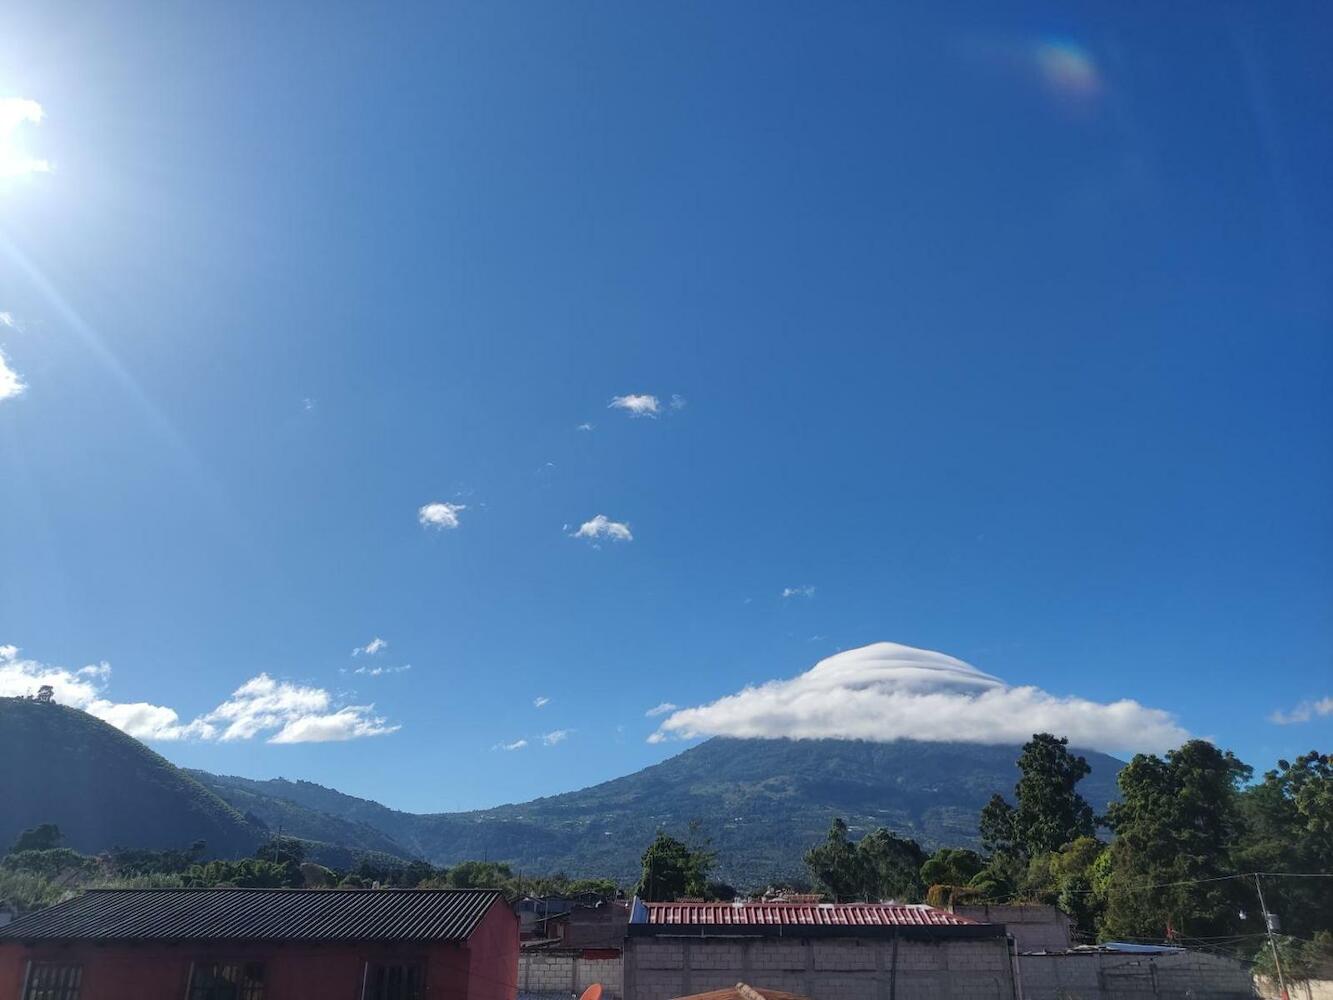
point(396, 981)
point(53, 981)
point(226, 981)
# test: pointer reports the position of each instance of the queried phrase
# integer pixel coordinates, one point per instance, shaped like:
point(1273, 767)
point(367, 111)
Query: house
point(264, 944)
point(583, 947)
point(824, 951)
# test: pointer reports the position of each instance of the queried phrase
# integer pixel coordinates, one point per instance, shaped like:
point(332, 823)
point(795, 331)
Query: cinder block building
point(824, 951)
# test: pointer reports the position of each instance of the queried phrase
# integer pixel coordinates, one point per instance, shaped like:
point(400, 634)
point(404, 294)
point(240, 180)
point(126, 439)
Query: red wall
point(493, 956)
point(485, 969)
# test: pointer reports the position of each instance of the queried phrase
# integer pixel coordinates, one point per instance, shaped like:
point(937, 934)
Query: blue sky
point(1005, 335)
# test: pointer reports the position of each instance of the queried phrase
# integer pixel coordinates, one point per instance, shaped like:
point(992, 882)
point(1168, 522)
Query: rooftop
point(259, 915)
point(802, 914)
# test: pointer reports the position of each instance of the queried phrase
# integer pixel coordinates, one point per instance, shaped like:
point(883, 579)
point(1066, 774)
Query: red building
point(264, 944)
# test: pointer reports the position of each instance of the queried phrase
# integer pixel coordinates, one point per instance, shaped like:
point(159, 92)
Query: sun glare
point(15, 161)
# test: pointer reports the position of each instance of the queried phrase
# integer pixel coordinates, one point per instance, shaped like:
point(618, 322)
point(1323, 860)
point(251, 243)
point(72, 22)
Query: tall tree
point(1175, 825)
point(1288, 827)
point(672, 870)
point(882, 865)
point(1049, 812)
point(891, 866)
point(834, 864)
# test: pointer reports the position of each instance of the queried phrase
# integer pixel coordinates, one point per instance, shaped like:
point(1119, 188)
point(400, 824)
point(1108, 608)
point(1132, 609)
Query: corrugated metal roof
point(802, 914)
point(260, 915)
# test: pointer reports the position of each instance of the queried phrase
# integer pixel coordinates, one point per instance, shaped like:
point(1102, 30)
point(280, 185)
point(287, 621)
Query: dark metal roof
point(260, 915)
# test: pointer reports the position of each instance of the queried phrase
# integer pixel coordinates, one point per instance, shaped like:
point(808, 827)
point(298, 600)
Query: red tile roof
point(805, 914)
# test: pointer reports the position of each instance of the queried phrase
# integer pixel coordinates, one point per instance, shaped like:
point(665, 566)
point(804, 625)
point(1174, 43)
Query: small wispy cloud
point(374, 646)
point(585, 426)
point(540, 700)
point(1303, 712)
point(601, 527)
point(11, 385)
point(516, 745)
point(556, 736)
point(678, 402)
point(440, 515)
point(380, 671)
point(14, 159)
point(637, 404)
point(7, 320)
point(661, 709)
point(805, 591)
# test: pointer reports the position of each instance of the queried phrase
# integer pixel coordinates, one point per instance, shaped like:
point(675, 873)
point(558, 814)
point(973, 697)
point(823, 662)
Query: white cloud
point(7, 319)
point(14, 159)
point(540, 700)
point(602, 526)
point(887, 691)
point(440, 515)
point(299, 714)
point(661, 709)
point(380, 671)
point(806, 591)
point(85, 689)
point(556, 736)
point(1303, 712)
point(11, 385)
point(678, 402)
point(637, 405)
point(289, 712)
point(516, 745)
point(584, 427)
point(374, 646)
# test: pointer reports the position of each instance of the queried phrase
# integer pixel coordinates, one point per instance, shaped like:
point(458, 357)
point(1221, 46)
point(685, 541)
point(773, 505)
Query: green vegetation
point(673, 870)
point(881, 866)
point(104, 788)
point(762, 801)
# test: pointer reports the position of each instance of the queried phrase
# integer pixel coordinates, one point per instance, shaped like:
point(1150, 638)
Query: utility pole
point(1272, 942)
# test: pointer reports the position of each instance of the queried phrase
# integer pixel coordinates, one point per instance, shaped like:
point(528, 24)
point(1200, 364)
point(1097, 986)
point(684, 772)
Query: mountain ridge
point(762, 802)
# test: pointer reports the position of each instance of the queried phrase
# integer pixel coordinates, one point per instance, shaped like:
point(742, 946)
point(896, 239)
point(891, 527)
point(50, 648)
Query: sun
point(15, 161)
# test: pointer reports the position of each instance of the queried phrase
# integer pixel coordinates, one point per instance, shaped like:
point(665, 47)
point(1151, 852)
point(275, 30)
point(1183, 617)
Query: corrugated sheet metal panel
point(802, 914)
point(261, 915)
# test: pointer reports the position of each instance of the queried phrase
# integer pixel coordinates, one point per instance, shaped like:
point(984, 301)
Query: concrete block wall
point(566, 973)
point(662, 968)
point(1102, 976)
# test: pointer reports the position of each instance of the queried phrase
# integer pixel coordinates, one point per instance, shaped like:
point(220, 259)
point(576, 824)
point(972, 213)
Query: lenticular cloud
point(887, 691)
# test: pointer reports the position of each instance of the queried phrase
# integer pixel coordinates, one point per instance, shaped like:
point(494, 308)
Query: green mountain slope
point(763, 802)
point(281, 813)
point(103, 788)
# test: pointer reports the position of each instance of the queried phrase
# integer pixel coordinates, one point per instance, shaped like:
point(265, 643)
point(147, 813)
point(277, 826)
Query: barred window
point(393, 981)
point(226, 981)
point(53, 981)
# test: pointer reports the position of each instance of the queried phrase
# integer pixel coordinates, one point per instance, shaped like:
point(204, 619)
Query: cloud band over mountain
point(886, 691)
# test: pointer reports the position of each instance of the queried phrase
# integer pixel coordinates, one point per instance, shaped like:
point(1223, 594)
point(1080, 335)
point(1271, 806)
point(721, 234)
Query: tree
point(834, 864)
point(46, 837)
point(881, 866)
point(1049, 812)
point(951, 866)
point(996, 825)
point(672, 870)
point(1288, 827)
point(1175, 825)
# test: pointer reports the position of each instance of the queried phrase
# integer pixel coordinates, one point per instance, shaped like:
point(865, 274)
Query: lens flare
point(1068, 68)
point(14, 159)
